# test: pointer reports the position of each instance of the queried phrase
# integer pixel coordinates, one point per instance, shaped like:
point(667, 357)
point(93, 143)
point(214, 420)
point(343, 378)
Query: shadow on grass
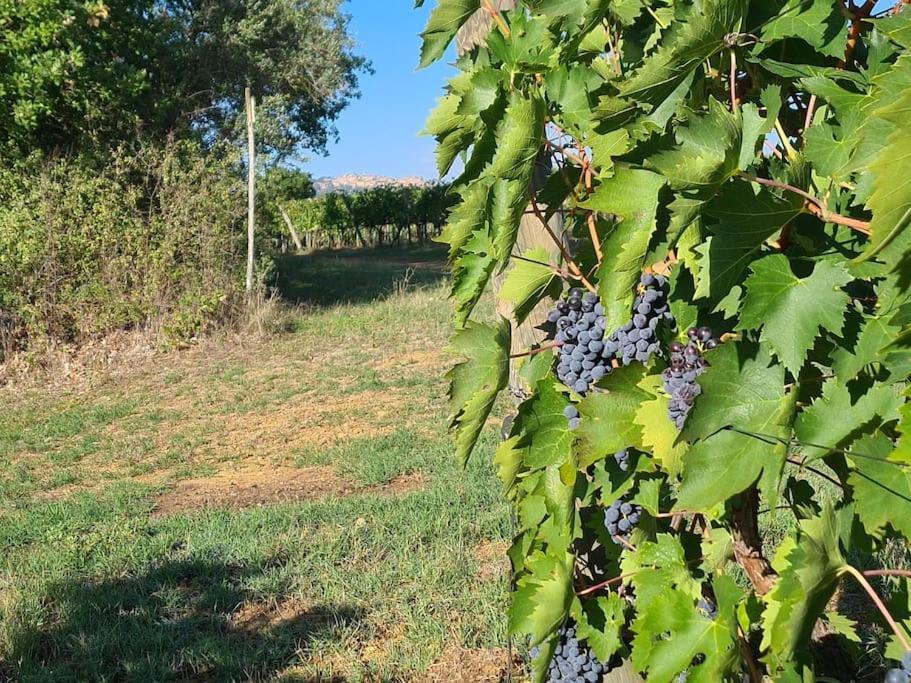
point(357, 275)
point(185, 621)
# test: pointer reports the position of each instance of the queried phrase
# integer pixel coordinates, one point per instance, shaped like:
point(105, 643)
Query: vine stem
point(811, 109)
point(540, 349)
point(857, 17)
point(732, 82)
point(813, 204)
point(906, 573)
point(748, 542)
point(495, 15)
point(604, 584)
point(747, 652)
point(902, 637)
point(786, 143)
point(591, 219)
point(629, 546)
point(573, 267)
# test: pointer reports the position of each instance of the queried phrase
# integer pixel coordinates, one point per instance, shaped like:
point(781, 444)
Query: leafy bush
point(725, 163)
point(151, 238)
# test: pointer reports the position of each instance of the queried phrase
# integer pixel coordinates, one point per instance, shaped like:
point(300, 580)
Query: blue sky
point(379, 132)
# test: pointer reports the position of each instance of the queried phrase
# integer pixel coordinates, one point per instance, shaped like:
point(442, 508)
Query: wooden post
point(290, 226)
point(251, 185)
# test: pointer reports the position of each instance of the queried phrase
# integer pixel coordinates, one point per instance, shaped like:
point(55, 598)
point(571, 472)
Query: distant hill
point(351, 182)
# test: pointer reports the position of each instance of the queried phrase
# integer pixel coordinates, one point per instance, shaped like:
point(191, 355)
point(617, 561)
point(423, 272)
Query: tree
point(74, 74)
point(730, 326)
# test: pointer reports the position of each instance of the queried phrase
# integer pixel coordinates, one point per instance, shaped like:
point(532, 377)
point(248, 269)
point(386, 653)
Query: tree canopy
point(76, 73)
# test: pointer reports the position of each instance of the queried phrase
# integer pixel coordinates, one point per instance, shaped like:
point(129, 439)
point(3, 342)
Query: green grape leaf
point(530, 280)
point(450, 146)
point(471, 272)
point(509, 458)
point(530, 47)
point(835, 415)
point(481, 92)
point(569, 88)
point(689, 633)
point(897, 27)
point(819, 23)
point(790, 310)
point(509, 201)
point(536, 368)
point(755, 126)
point(546, 434)
point(600, 623)
point(746, 218)
point(891, 199)
point(608, 418)
point(882, 486)
point(659, 435)
point(476, 381)
point(741, 387)
point(829, 148)
point(808, 567)
point(708, 151)
point(648, 495)
point(467, 218)
point(722, 466)
point(655, 568)
point(542, 597)
point(445, 118)
point(684, 50)
point(520, 136)
point(875, 334)
point(632, 196)
point(607, 146)
point(903, 448)
point(445, 21)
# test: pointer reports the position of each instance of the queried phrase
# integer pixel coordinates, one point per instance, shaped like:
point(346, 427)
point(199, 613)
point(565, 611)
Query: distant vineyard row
point(387, 214)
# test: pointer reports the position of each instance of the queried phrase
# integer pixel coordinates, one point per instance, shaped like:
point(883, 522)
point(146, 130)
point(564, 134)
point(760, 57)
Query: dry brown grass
point(252, 485)
point(464, 665)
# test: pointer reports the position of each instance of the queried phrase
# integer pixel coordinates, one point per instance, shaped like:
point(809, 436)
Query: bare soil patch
point(252, 486)
point(463, 665)
point(255, 617)
point(493, 563)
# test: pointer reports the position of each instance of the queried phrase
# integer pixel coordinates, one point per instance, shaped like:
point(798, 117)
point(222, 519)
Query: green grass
point(96, 587)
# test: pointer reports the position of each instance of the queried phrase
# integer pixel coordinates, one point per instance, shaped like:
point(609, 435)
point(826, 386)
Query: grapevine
point(714, 267)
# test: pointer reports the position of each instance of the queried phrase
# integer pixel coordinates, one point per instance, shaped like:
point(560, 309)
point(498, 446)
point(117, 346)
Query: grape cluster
point(622, 459)
point(580, 327)
point(573, 662)
point(687, 364)
point(638, 338)
point(620, 519)
point(902, 675)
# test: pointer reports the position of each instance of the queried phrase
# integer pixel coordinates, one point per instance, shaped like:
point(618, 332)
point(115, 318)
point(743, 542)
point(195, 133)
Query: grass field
point(280, 507)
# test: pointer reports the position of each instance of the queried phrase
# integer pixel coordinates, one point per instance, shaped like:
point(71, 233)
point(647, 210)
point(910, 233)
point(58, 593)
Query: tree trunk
point(290, 226)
